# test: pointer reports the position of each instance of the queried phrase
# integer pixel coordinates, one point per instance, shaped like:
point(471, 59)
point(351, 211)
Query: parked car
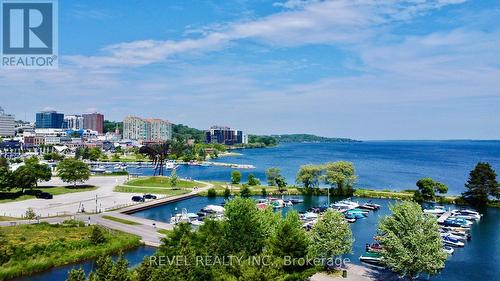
point(137, 198)
point(149, 196)
point(44, 195)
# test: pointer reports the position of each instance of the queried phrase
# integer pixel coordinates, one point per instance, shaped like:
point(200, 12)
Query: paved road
point(147, 229)
point(70, 203)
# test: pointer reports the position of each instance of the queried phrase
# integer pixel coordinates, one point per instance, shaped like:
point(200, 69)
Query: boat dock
point(443, 217)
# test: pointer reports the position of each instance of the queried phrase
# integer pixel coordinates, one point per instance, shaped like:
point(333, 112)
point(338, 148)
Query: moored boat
point(449, 250)
point(371, 258)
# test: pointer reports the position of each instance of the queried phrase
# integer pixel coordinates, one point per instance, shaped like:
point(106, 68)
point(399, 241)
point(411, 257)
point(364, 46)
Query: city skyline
point(413, 70)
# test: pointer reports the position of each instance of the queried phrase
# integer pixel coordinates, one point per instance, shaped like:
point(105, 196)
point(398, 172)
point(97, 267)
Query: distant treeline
point(308, 138)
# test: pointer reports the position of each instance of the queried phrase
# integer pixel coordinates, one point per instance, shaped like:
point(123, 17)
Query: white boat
point(449, 250)
point(213, 209)
point(452, 242)
point(185, 217)
point(472, 214)
point(170, 166)
point(344, 205)
point(453, 236)
point(98, 169)
point(437, 210)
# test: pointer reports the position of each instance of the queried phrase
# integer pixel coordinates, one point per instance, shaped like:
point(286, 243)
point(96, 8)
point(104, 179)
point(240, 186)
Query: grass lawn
point(158, 190)
point(161, 182)
point(16, 195)
point(255, 190)
point(164, 231)
point(2, 218)
point(121, 220)
point(26, 249)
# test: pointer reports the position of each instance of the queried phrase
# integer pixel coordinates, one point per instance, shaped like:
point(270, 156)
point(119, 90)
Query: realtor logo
point(29, 34)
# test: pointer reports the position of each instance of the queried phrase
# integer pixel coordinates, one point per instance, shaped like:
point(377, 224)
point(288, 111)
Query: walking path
point(359, 273)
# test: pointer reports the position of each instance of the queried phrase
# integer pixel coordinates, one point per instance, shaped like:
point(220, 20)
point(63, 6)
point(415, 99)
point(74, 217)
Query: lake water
point(478, 260)
point(379, 164)
point(134, 257)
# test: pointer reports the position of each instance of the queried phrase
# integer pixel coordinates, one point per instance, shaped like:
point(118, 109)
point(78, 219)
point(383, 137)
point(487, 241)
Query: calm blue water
point(379, 164)
point(134, 257)
point(478, 260)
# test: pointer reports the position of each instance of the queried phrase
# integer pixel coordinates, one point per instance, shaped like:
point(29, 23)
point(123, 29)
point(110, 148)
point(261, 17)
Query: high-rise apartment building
point(73, 122)
point(94, 122)
point(224, 135)
point(49, 120)
point(135, 128)
point(7, 124)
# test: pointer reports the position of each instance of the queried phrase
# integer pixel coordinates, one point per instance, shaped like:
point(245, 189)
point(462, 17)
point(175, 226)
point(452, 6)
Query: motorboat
point(457, 222)
point(452, 242)
point(456, 237)
point(371, 258)
point(358, 211)
point(370, 204)
point(98, 169)
point(347, 203)
point(367, 207)
point(213, 209)
point(296, 200)
point(374, 247)
point(350, 218)
point(449, 250)
point(463, 235)
point(466, 212)
point(308, 216)
point(437, 210)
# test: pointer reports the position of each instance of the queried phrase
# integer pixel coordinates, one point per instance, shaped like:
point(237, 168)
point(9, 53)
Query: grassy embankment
point(360, 192)
point(158, 185)
point(17, 195)
point(26, 249)
point(120, 220)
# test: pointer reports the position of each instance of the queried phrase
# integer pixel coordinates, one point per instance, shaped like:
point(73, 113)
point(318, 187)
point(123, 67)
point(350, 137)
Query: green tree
point(331, 236)
point(94, 153)
point(6, 178)
point(235, 177)
point(4, 162)
point(227, 192)
point(42, 172)
point(24, 178)
point(173, 178)
point(76, 275)
point(482, 184)
point(272, 174)
point(290, 239)
point(280, 182)
point(340, 174)
point(427, 189)
point(252, 180)
point(243, 230)
point(245, 192)
point(73, 171)
point(411, 241)
point(30, 214)
point(308, 176)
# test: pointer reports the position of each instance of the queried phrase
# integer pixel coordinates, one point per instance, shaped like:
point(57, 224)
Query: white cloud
point(327, 22)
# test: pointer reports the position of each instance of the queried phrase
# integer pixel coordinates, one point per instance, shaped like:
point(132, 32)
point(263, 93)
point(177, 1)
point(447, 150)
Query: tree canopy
point(309, 175)
point(331, 236)
point(411, 242)
point(427, 189)
point(481, 185)
point(271, 174)
point(73, 171)
point(340, 174)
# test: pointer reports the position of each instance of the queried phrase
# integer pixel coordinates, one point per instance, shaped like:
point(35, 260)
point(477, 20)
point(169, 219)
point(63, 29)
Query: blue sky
point(386, 69)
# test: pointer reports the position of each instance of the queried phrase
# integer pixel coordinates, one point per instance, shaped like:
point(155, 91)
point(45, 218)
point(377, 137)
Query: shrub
point(227, 193)
point(97, 237)
point(212, 192)
point(264, 192)
point(245, 191)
